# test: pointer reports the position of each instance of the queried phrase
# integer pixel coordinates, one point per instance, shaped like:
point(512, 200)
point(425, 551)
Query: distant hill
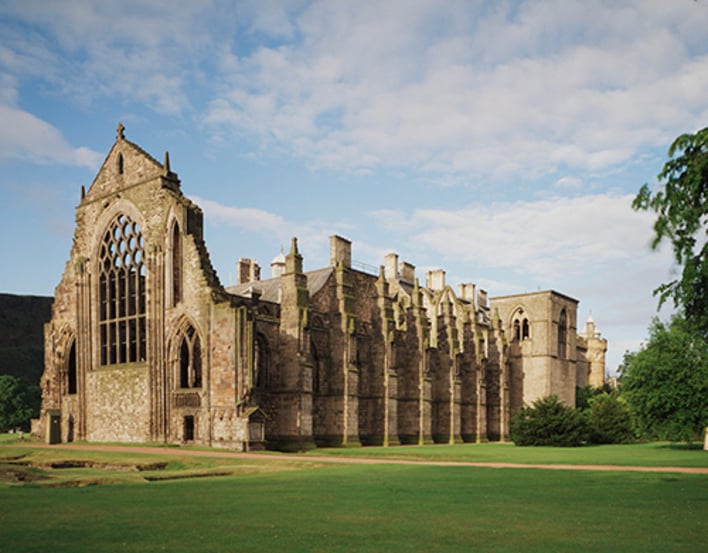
point(22, 321)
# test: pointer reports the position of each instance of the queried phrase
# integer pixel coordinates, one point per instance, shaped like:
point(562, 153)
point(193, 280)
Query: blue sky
point(500, 141)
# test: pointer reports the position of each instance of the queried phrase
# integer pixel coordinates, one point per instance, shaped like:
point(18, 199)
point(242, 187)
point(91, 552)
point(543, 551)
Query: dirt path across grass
point(358, 460)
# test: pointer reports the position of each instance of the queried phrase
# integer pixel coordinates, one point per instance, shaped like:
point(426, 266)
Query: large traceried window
point(122, 293)
point(190, 358)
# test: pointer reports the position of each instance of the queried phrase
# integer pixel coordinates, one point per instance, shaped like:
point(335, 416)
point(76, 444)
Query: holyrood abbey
point(146, 345)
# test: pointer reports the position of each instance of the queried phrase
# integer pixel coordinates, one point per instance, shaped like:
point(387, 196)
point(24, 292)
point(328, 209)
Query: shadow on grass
point(682, 446)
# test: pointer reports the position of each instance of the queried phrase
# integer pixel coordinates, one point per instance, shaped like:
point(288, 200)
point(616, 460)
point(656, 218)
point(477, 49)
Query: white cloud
point(544, 239)
point(258, 222)
point(247, 218)
point(145, 52)
point(569, 183)
point(25, 136)
point(549, 85)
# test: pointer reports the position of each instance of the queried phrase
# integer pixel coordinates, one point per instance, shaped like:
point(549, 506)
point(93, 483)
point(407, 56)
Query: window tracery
point(122, 319)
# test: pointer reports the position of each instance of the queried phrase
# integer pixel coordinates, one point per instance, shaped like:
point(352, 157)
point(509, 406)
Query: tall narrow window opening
point(525, 331)
point(71, 369)
point(122, 327)
point(562, 334)
point(176, 265)
point(260, 362)
point(120, 164)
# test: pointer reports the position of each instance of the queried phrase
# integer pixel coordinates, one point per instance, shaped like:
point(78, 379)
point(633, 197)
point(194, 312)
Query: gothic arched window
point(562, 334)
point(190, 358)
point(121, 279)
point(520, 325)
point(525, 331)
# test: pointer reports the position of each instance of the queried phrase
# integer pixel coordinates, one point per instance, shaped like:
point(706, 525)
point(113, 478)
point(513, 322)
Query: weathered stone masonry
point(146, 345)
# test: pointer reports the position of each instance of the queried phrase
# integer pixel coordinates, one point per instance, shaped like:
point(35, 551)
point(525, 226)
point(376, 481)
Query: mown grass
point(645, 454)
point(374, 508)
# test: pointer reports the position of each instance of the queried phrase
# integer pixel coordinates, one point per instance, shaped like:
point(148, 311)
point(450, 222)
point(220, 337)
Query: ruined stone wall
point(118, 404)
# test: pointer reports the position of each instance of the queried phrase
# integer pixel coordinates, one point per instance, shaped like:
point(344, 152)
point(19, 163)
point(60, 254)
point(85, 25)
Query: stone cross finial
point(120, 130)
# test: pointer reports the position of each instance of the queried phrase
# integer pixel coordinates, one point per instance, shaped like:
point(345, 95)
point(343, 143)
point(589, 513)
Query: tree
point(682, 208)
point(16, 407)
point(549, 422)
point(610, 419)
point(666, 382)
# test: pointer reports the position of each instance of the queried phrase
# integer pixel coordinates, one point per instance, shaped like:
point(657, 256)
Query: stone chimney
point(467, 290)
point(248, 270)
point(436, 280)
point(407, 272)
point(340, 249)
point(391, 267)
point(481, 299)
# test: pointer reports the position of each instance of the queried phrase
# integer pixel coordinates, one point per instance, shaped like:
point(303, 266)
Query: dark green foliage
point(682, 209)
point(610, 419)
point(666, 382)
point(586, 393)
point(549, 422)
point(22, 321)
point(18, 404)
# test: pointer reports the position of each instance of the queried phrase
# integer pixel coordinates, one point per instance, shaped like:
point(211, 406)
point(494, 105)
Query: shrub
point(548, 422)
point(610, 420)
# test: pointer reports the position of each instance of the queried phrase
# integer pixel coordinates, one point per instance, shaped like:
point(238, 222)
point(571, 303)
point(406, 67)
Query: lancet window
point(190, 358)
point(562, 334)
point(521, 327)
point(71, 386)
point(176, 265)
point(122, 320)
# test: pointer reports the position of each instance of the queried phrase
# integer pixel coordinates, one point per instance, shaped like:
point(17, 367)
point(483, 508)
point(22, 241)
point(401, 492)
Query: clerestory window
point(122, 319)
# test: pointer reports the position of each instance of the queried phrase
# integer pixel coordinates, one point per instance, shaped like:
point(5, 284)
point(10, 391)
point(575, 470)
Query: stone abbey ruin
point(146, 345)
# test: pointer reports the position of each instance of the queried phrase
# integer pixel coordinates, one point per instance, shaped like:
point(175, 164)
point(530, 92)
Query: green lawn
point(275, 505)
point(647, 454)
point(366, 508)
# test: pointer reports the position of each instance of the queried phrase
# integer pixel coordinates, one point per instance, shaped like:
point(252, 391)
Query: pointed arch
point(521, 328)
point(187, 356)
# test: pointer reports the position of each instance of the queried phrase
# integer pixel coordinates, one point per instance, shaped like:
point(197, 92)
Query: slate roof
point(270, 288)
